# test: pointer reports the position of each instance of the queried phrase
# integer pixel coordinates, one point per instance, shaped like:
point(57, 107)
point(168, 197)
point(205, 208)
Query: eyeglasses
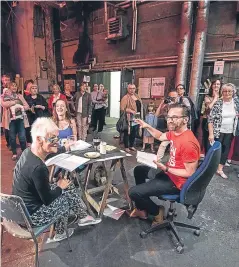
point(174, 118)
point(52, 140)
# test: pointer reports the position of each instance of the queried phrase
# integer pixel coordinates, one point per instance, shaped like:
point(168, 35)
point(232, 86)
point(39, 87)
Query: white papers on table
point(71, 163)
point(80, 145)
point(146, 159)
point(57, 158)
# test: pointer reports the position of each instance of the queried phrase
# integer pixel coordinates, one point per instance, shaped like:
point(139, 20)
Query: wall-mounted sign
point(144, 87)
point(157, 87)
point(218, 67)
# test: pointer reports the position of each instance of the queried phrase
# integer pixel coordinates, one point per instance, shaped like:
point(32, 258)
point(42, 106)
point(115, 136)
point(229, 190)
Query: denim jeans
point(16, 127)
point(141, 193)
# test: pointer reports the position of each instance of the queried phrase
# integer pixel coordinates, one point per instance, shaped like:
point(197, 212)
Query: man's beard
point(175, 127)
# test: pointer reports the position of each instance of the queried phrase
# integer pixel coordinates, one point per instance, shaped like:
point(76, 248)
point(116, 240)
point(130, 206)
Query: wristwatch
point(166, 170)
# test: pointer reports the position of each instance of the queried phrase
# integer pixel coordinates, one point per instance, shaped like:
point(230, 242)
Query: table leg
point(126, 184)
point(88, 175)
point(84, 196)
point(107, 187)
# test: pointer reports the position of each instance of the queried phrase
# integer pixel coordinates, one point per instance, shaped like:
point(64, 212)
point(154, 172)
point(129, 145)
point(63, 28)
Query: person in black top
point(38, 108)
point(45, 201)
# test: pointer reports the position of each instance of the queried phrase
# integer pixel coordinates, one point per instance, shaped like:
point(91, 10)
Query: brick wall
point(158, 35)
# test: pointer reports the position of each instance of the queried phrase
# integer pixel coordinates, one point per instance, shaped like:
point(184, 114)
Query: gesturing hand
point(63, 183)
point(141, 123)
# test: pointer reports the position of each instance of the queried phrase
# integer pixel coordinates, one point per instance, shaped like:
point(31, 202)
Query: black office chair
point(190, 196)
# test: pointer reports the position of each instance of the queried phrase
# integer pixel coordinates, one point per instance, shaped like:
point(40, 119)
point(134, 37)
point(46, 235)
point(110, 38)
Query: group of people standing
point(220, 113)
point(73, 114)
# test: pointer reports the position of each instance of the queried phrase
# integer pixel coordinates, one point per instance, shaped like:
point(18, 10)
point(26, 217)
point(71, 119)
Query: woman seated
point(65, 123)
point(31, 183)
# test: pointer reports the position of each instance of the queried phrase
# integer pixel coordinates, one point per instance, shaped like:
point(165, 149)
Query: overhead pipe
point(199, 49)
point(184, 42)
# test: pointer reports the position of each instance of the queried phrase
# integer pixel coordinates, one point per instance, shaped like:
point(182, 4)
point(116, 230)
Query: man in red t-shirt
point(183, 162)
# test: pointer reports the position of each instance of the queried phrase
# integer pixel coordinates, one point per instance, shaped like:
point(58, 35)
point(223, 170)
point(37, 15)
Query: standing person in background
point(69, 98)
point(162, 110)
point(222, 123)
point(38, 108)
point(106, 97)
point(209, 101)
point(185, 100)
point(105, 93)
point(56, 95)
point(27, 87)
point(98, 103)
point(17, 125)
point(131, 104)
point(83, 109)
point(5, 84)
point(152, 120)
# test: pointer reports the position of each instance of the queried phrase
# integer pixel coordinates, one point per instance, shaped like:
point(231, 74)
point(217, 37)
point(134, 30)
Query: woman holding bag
point(131, 104)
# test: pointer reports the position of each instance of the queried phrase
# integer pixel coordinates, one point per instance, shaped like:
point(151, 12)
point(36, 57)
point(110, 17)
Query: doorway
point(116, 82)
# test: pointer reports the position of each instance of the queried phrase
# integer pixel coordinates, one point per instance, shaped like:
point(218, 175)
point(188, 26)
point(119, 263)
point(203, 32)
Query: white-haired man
point(31, 183)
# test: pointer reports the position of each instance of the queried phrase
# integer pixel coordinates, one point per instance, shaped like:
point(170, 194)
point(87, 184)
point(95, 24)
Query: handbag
point(122, 123)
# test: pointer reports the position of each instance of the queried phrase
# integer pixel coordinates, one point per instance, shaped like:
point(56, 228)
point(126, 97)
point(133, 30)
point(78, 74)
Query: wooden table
point(117, 159)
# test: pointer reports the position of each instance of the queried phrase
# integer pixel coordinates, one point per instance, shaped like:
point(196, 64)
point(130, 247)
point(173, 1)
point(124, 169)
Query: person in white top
point(222, 123)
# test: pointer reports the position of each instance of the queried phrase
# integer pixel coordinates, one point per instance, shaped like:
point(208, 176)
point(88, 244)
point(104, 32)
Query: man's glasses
point(174, 118)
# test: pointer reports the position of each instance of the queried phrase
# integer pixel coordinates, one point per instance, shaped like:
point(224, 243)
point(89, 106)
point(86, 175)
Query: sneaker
point(228, 163)
point(88, 220)
point(60, 237)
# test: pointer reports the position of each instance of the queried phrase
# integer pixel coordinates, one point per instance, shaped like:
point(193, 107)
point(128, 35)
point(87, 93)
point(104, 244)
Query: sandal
point(137, 214)
point(142, 150)
point(133, 149)
point(222, 174)
point(127, 150)
point(153, 151)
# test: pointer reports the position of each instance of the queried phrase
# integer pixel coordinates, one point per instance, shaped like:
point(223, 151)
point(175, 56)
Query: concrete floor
point(117, 243)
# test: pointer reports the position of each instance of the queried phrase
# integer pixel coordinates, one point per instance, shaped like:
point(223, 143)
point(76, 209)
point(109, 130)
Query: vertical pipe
point(184, 42)
point(199, 49)
point(106, 11)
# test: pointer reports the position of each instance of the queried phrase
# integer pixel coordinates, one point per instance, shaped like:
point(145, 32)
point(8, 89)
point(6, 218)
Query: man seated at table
point(183, 162)
point(31, 183)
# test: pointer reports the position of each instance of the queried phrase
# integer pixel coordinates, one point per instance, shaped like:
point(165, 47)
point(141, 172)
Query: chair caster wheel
point(197, 232)
point(180, 249)
point(143, 234)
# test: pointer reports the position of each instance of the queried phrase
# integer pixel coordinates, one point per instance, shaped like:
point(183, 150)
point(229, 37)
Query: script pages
point(146, 159)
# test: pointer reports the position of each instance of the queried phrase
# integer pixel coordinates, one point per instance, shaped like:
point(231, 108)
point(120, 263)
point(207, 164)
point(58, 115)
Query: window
point(38, 20)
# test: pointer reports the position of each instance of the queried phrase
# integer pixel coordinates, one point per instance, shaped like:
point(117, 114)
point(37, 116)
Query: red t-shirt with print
point(184, 148)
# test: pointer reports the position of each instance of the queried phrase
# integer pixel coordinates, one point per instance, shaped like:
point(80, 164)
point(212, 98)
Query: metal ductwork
point(184, 43)
point(199, 49)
